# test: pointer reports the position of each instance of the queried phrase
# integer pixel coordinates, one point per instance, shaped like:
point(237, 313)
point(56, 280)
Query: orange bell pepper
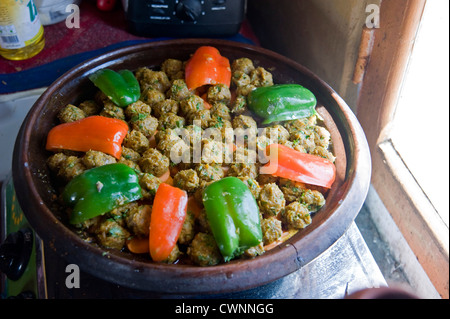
point(138, 245)
point(168, 215)
point(297, 166)
point(207, 67)
point(96, 132)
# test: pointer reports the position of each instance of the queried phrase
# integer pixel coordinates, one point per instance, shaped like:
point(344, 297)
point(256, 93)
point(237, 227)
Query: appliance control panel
point(185, 18)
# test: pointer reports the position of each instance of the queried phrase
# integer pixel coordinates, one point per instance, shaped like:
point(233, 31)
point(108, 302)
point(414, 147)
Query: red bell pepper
point(207, 67)
point(166, 221)
point(288, 163)
point(96, 132)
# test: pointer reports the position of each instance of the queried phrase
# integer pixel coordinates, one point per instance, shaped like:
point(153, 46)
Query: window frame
point(416, 218)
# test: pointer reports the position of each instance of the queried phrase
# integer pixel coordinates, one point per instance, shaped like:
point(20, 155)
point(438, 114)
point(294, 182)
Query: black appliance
point(184, 18)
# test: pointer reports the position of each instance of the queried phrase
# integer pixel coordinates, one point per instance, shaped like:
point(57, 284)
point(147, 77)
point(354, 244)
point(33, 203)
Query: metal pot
point(35, 189)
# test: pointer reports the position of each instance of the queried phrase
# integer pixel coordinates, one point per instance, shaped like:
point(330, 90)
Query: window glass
point(421, 126)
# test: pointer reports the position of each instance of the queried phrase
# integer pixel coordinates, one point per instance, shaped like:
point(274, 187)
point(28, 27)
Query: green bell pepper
point(233, 215)
point(282, 102)
point(99, 190)
point(121, 87)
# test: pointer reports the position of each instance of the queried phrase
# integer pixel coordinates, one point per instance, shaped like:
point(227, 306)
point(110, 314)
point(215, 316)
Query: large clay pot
point(35, 189)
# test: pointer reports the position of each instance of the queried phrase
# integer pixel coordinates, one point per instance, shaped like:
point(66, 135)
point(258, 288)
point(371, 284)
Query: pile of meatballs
point(165, 105)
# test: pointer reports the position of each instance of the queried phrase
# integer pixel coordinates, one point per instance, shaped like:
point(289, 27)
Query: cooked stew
point(200, 161)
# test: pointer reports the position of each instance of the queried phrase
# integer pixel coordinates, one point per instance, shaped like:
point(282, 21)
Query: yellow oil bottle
point(21, 32)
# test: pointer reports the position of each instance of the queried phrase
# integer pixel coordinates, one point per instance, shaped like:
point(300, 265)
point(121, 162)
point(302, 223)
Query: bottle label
point(19, 24)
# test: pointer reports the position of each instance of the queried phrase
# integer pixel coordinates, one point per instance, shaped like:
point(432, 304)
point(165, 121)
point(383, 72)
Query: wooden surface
point(376, 109)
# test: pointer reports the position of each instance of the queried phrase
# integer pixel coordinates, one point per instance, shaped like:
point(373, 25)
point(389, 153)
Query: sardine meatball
point(56, 161)
point(200, 118)
point(153, 162)
point(149, 185)
point(305, 138)
point(313, 199)
point(219, 93)
point(240, 79)
point(296, 216)
point(252, 185)
point(71, 167)
point(175, 149)
point(111, 235)
point(220, 112)
point(170, 120)
point(271, 200)
point(292, 191)
point(119, 213)
point(244, 65)
point(178, 91)
point(264, 179)
point(209, 172)
point(203, 250)
point(173, 68)
point(71, 113)
point(323, 152)
point(133, 110)
point(129, 154)
point(145, 123)
point(192, 104)
point(243, 170)
point(164, 107)
point(157, 80)
point(244, 122)
point(271, 229)
point(187, 180)
point(137, 141)
point(322, 136)
point(276, 133)
point(138, 220)
point(188, 229)
point(239, 105)
point(255, 251)
point(113, 111)
point(212, 152)
point(261, 77)
point(95, 158)
point(152, 96)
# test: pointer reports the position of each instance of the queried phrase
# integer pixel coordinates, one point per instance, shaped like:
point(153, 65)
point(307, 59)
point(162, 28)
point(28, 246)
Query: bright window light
point(421, 126)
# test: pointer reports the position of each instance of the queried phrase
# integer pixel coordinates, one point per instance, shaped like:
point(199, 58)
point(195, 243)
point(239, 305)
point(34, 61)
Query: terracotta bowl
point(35, 189)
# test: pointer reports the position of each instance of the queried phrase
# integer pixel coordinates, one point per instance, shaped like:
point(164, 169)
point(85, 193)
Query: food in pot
point(200, 161)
